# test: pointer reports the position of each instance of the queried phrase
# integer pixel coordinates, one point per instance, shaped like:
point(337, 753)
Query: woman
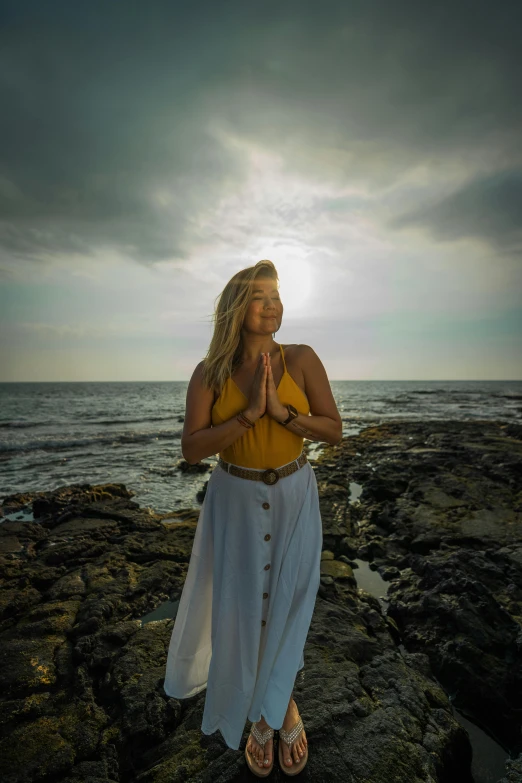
point(254, 571)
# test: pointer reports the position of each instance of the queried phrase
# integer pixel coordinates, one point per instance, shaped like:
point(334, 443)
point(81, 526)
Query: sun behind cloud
point(295, 284)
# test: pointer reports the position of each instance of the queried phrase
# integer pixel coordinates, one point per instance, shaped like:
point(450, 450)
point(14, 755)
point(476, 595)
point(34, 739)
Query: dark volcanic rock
point(197, 467)
point(440, 516)
point(82, 679)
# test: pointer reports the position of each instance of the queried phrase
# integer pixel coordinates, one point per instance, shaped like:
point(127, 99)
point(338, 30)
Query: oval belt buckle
point(270, 476)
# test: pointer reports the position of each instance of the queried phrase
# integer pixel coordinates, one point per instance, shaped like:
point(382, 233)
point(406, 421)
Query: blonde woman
point(253, 576)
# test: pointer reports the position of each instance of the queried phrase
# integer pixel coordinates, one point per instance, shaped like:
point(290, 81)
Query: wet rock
point(441, 517)
point(82, 678)
point(197, 467)
point(327, 555)
point(513, 771)
point(375, 710)
point(337, 569)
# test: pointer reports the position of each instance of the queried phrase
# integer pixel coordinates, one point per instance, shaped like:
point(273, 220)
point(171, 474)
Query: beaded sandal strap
point(290, 736)
point(263, 737)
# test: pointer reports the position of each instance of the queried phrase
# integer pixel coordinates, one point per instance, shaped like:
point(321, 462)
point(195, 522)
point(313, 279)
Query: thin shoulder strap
point(283, 357)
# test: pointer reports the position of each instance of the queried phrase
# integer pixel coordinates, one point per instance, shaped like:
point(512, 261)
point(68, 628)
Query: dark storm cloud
point(105, 136)
point(488, 207)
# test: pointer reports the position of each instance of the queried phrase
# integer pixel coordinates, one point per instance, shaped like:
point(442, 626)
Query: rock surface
point(440, 517)
point(82, 679)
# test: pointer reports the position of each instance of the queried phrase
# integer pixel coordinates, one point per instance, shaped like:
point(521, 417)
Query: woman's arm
point(199, 438)
point(324, 422)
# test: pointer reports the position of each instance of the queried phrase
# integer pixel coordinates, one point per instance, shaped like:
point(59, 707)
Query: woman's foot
point(300, 744)
point(259, 753)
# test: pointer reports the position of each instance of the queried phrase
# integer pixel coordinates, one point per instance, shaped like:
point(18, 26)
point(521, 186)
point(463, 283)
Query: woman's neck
point(252, 359)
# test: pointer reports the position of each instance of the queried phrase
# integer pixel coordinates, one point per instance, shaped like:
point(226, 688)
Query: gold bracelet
point(243, 422)
point(247, 419)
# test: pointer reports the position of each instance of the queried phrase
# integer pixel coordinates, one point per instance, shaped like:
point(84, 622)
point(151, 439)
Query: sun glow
point(295, 284)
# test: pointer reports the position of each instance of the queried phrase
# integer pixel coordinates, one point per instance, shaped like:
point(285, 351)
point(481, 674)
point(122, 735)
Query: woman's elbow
point(187, 452)
point(339, 436)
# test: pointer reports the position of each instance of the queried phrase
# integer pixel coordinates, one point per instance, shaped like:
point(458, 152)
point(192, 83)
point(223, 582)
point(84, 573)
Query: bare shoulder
point(301, 357)
point(296, 350)
point(197, 390)
point(302, 353)
point(198, 370)
point(317, 385)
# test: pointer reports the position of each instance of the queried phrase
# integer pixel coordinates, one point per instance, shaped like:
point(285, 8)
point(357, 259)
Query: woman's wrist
point(281, 415)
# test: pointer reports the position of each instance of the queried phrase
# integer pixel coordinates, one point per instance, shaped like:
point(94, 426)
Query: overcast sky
point(371, 150)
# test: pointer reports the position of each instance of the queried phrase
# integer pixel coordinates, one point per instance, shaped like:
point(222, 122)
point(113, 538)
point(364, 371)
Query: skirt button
point(267, 566)
point(263, 622)
point(268, 537)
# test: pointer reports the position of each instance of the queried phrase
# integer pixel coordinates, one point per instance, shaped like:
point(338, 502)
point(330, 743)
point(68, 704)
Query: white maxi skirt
point(248, 600)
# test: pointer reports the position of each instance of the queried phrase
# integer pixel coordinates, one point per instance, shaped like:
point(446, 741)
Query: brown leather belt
point(269, 476)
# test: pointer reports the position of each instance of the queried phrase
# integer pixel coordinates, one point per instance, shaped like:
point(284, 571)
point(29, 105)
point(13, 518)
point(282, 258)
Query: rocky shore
point(439, 516)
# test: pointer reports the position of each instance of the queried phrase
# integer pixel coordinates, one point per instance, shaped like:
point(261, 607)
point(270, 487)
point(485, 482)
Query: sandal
point(262, 739)
point(290, 737)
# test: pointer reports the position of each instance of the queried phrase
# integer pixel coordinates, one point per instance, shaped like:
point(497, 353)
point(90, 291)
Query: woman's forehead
point(264, 284)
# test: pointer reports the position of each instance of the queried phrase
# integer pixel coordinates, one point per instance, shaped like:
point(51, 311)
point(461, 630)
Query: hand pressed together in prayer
point(274, 406)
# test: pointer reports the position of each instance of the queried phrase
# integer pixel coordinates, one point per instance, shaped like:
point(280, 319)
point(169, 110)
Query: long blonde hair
point(225, 351)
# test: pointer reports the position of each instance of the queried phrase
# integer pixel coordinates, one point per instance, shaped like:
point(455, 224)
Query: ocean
point(55, 434)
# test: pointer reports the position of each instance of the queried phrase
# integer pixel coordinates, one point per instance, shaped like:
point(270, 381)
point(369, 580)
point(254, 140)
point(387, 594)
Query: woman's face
point(265, 310)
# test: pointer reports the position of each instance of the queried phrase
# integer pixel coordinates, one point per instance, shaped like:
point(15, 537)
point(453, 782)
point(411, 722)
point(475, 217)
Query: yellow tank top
point(268, 444)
